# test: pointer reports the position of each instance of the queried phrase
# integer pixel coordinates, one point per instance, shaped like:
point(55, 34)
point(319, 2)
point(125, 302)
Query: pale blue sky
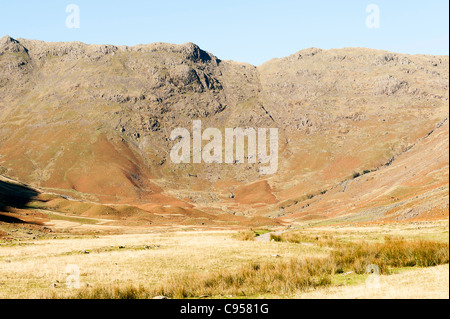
point(243, 30)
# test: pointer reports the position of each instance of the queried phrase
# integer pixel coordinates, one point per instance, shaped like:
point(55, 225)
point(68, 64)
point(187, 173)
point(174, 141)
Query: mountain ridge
point(194, 48)
point(94, 121)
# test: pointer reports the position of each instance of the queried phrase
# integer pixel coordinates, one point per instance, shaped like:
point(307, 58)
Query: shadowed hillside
point(15, 196)
point(15, 218)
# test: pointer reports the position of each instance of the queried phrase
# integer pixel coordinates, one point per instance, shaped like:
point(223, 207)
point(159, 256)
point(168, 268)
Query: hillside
point(363, 133)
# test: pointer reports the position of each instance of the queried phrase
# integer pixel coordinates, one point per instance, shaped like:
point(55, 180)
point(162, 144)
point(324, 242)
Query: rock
point(348, 273)
point(391, 58)
point(55, 285)
point(154, 125)
point(390, 85)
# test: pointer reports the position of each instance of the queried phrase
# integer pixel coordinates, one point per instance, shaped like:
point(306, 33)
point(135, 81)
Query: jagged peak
point(10, 44)
point(7, 39)
point(189, 50)
point(197, 54)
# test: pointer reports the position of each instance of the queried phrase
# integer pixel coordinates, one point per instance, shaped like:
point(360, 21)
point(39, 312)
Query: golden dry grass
point(220, 265)
point(29, 270)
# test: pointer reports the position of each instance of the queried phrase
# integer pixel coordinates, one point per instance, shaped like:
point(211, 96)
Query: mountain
point(363, 134)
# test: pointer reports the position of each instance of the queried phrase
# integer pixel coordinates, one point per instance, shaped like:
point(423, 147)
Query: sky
point(252, 31)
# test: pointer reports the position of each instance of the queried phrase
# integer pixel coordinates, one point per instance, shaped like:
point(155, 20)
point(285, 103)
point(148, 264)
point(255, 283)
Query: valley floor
point(41, 268)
